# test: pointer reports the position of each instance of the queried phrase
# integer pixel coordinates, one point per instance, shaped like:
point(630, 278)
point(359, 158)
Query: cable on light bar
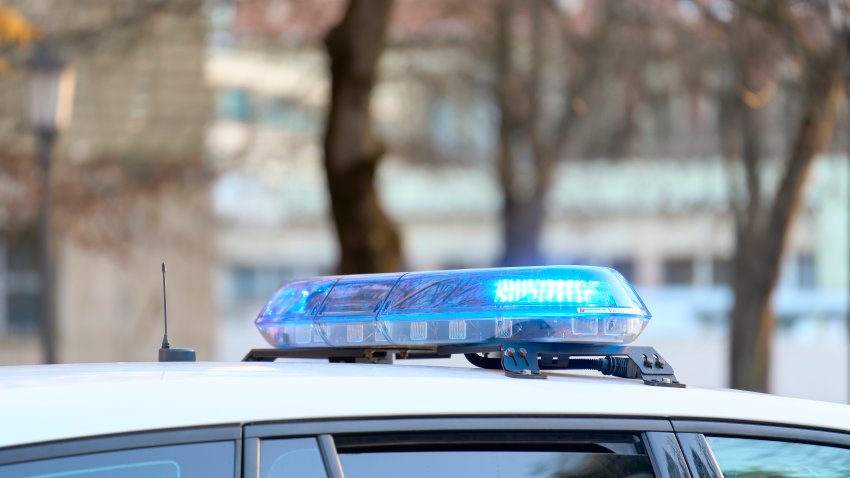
point(473, 306)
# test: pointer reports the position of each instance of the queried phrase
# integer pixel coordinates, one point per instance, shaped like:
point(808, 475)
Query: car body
point(355, 414)
point(308, 418)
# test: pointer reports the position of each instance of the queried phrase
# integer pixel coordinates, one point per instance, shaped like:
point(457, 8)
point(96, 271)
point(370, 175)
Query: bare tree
point(529, 142)
point(548, 71)
point(761, 36)
point(369, 241)
point(520, 143)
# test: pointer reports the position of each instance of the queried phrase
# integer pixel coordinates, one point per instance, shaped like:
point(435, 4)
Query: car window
point(503, 456)
point(201, 460)
point(752, 458)
point(504, 464)
point(291, 458)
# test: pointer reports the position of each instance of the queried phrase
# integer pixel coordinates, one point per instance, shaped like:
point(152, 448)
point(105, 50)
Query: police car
point(524, 412)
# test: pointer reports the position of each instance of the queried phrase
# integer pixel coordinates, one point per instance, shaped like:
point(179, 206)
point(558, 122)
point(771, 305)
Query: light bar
point(461, 307)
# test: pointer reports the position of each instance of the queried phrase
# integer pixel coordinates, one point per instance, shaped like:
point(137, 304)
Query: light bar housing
point(578, 304)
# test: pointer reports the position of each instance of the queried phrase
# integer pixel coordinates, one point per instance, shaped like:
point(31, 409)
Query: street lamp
point(50, 99)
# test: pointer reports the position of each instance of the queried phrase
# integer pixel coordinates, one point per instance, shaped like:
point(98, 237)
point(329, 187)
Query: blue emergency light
point(566, 304)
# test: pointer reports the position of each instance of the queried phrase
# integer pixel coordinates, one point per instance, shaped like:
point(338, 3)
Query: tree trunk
point(525, 158)
point(752, 320)
point(522, 226)
point(368, 239)
point(762, 235)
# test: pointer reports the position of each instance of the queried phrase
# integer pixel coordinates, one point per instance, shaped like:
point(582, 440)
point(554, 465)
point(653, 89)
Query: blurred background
point(697, 146)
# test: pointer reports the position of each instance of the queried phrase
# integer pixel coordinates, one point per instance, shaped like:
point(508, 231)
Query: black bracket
point(521, 361)
point(345, 354)
point(525, 360)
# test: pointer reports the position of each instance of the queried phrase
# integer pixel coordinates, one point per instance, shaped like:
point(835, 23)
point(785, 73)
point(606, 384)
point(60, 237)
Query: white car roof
point(56, 402)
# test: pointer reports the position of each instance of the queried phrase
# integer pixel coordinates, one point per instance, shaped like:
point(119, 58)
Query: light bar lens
point(551, 304)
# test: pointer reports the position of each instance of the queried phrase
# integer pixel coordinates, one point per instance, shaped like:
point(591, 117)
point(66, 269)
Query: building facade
point(129, 182)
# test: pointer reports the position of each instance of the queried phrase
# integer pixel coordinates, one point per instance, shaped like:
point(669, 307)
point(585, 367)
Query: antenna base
point(176, 355)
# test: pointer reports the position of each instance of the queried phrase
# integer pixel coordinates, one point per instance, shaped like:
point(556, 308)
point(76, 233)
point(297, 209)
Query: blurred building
point(130, 185)
point(662, 219)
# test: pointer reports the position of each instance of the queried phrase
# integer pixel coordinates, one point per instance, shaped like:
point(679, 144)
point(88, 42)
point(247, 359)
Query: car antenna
point(166, 353)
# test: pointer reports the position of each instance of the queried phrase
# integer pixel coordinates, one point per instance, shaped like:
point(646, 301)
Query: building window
point(461, 129)
point(806, 271)
point(251, 283)
point(626, 267)
point(721, 272)
point(234, 105)
point(445, 127)
point(22, 301)
point(289, 115)
point(243, 283)
point(678, 271)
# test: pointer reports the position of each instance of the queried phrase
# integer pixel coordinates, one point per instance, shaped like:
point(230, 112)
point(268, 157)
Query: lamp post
point(50, 99)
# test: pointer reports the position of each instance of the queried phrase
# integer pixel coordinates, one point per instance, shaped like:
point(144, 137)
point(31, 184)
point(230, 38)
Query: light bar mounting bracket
point(518, 359)
point(526, 360)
